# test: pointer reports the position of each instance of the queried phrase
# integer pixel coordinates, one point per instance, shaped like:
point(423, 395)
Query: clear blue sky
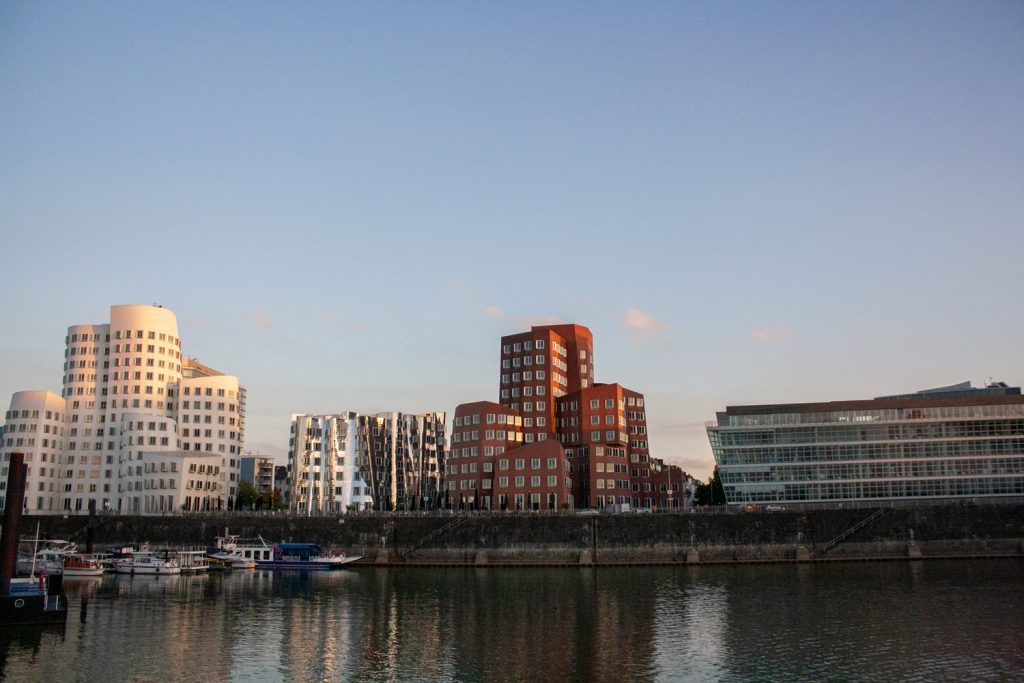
point(347, 204)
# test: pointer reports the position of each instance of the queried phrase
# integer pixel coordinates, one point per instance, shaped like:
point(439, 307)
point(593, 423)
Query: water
point(937, 620)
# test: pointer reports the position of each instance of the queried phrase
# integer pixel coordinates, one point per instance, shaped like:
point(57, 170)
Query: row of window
point(527, 376)
point(524, 346)
point(885, 415)
point(933, 488)
point(871, 451)
point(878, 470)
point(527, 361)
point(518, 482)
point(23, 414)
point(491, 418)
point(149, 335)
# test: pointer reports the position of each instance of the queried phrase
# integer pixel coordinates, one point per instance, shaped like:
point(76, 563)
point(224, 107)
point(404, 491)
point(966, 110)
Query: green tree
point(247, 496)
point(717, 490)
point(270, 500)
point(702, 495)
point(711, 493)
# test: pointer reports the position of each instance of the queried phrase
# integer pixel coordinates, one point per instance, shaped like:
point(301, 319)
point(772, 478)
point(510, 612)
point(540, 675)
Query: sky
point(348, 204)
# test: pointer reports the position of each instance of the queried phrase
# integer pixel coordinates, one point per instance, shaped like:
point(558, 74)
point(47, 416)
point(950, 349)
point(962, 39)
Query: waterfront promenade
point(518, 539)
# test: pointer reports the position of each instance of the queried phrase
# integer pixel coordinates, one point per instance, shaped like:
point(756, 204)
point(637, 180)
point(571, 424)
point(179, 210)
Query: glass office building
point(953, 443)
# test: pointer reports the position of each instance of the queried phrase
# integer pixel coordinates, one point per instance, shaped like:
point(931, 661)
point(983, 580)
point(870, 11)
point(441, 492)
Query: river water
point(934, 620)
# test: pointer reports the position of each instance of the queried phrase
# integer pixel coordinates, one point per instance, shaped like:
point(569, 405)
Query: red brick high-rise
point(556, 439)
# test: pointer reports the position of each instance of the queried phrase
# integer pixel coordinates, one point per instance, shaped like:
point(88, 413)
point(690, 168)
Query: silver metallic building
point(347, 461)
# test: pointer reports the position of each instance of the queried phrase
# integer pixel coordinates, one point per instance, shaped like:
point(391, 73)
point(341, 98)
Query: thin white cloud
point(635, 319)
point(494, 312)
point(644, 328)
point(259, 318)
point(769, 334)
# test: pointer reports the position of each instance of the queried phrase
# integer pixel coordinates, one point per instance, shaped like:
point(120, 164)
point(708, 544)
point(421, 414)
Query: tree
point(712, 493)
point(702, 494)
point(247, 495)
point(270, 501)
point(717, 490)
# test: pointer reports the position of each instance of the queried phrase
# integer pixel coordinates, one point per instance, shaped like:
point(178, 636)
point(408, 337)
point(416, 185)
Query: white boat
point(234, 560)
point(81, 565)
point(147, 563)
point(192, 560)
point(240, 554)
point(47, 560)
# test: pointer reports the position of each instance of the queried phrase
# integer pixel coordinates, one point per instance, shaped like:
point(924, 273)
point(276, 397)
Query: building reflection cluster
point(610, 624)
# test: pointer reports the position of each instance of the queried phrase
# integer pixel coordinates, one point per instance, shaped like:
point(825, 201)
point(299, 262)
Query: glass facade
point(927, 445)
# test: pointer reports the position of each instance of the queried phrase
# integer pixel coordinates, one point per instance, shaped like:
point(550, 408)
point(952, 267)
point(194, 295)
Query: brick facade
point(556, 438)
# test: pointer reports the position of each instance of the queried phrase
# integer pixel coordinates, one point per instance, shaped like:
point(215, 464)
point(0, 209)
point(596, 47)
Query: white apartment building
point(34, 425)
point(174, 481)
point(128, 391)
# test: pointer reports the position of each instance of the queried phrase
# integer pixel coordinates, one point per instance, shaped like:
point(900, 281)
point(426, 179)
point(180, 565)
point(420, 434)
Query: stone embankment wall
point(494, 539)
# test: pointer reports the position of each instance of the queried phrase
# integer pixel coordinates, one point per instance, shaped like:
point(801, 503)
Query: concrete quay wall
point(526, 539)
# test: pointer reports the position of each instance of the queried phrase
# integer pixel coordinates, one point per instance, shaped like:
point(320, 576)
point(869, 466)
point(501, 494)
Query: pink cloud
point(259, 319)
point(635, 319)
point(770, 334)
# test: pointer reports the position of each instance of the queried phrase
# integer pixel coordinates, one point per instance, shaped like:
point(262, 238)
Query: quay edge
point(495, 540)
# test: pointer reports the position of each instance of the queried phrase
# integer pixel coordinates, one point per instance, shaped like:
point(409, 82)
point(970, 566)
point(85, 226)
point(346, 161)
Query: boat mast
point(35, 553)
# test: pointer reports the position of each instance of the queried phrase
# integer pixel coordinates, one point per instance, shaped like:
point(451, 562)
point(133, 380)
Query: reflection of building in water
point(955, 442)
point(316, 621)
point(404, 629)
point(509, 624)
point(690, 616)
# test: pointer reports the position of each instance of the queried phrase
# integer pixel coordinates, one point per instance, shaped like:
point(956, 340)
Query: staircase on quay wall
point(852, 530)
point(431, 536)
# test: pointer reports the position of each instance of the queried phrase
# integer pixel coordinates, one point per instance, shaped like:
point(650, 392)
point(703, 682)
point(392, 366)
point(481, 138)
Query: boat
point(148, 563)
point(231, 552)
point(192, 560)
point(24, 601)
point(304, 556)
point(81, 565)
point(232, 560)
point(48, 559)
point(35, 600)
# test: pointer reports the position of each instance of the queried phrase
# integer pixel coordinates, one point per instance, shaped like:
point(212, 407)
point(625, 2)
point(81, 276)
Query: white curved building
point(34, 425)
point(128, 391)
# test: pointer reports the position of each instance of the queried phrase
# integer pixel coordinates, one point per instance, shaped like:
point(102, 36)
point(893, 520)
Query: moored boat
point(48, 559)
point(192, 560)
point(233, 560)
point(81, 565)
point(148, 563)
point(237, 554)
point(304, 556)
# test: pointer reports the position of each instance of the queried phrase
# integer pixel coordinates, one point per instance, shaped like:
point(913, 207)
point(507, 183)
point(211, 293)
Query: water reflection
point(887, 621)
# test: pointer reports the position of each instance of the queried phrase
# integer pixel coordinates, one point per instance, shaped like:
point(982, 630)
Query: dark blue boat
point(24, 602)
point(304, 556)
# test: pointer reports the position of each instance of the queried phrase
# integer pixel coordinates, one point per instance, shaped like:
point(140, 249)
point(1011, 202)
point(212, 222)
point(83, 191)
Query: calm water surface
point(876, 621)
